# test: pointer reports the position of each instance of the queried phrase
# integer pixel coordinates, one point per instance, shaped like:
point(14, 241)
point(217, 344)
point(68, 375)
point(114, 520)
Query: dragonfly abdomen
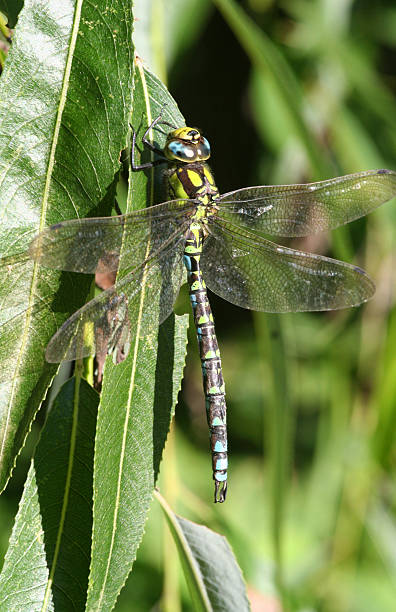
point(213, 381)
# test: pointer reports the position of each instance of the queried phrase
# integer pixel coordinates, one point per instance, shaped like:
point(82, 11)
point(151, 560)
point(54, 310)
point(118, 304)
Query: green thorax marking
point(194, 181)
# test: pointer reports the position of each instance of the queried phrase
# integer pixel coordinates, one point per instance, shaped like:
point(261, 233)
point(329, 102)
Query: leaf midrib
point(134, 367)
point(44, 208)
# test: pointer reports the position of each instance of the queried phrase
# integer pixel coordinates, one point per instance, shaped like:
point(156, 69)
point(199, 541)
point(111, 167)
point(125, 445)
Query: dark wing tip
point(369, 285)
point(360, 270)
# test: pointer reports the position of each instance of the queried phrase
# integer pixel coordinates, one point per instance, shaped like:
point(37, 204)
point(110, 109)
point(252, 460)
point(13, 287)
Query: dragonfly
point(216, 240)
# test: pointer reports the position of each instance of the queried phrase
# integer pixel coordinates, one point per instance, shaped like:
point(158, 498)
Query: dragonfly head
point(186, 145)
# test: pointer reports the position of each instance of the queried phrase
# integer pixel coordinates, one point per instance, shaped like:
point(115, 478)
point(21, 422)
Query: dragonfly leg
point(157, 121)
point(156, 162)
point(158, 150)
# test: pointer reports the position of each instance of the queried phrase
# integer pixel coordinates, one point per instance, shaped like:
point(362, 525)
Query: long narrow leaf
point(63, 123)
point(213, 576)
point(47, 562)
point(138, 397)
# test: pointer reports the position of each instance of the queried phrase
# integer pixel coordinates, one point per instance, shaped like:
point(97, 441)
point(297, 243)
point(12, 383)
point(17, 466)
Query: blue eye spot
point(176, 147)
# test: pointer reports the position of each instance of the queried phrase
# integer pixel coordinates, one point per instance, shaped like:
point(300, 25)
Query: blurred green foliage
point(289, 91)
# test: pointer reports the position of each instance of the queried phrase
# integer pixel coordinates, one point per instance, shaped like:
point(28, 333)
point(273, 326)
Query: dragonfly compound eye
point(179, 150)
point(186, 145)
point(203, 149)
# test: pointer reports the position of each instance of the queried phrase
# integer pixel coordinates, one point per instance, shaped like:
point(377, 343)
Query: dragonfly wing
point(134, 306)
point(299, 210)
point(93, 245)
point(252, 272)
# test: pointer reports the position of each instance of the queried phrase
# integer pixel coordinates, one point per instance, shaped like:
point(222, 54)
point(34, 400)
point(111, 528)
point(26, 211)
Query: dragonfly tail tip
point(220, 491)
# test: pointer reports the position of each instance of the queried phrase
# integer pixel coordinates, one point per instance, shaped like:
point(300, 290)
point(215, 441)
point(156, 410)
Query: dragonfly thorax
point(186, 145)
point(189, 176)
point(192, 181)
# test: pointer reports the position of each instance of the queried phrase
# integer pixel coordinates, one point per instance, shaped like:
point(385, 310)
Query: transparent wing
point(252, 272)
point(93, 245)
point(299, 210)
point(133, 307)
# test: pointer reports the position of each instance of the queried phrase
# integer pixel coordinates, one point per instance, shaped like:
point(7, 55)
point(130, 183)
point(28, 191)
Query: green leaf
point(137, 399)
point(383, 398)
point(279, 425)
point(269, 61)
point(213, 576)
point(47, 562)
point(11, 8)
point(161, 34)
point(65, 94)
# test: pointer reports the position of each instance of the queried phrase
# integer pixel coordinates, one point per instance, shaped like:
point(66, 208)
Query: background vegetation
point(286, 92)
